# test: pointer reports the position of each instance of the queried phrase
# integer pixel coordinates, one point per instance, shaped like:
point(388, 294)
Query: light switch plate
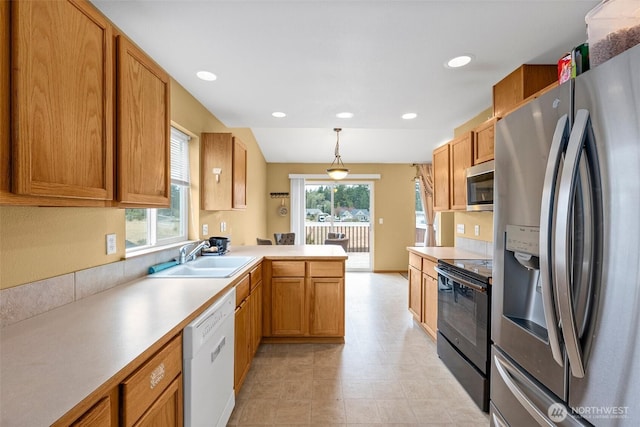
point(111, 244)
point(476, 230)
point(460, 228)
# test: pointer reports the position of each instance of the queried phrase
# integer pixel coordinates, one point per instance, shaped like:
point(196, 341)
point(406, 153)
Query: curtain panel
point(424, 174)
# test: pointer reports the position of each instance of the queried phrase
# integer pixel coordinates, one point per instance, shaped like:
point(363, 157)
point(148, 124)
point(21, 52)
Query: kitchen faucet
point(184, 257)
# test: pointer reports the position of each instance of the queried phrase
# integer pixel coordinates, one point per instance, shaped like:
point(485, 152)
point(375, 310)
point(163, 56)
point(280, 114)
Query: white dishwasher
point(208, 353)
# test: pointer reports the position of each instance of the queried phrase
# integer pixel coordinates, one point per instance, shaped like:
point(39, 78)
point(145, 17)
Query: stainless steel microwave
point(480, 187)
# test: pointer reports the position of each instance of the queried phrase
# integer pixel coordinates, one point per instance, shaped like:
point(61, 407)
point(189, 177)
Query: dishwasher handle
point(218, 349)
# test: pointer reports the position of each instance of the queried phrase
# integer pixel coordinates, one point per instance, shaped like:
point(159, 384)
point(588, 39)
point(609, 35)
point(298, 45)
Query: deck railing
point(357, 232)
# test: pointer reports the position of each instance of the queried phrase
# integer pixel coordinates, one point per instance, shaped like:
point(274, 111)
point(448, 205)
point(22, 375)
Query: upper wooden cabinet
point(144, 144)
point(227, 155)
point(461, 156)
point(62, 100)
point(523, 82)
point(450, 163)
point(441, 178)
point(239, 174)
point(483, 141)
point(66, 117)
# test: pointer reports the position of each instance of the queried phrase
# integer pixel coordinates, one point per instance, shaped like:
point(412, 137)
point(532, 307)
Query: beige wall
point(393, 202)
point(38, 243)
point(474, 122)
point(470, 219)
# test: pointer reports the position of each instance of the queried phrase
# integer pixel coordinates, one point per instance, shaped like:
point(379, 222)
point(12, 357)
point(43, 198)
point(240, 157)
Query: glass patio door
point(343, 208)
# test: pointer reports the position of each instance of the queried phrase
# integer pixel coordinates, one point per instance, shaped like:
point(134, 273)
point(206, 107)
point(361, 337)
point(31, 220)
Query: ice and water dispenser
point(522, 302)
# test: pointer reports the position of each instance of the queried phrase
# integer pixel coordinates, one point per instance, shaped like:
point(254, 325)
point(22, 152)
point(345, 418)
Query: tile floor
point(386, 373)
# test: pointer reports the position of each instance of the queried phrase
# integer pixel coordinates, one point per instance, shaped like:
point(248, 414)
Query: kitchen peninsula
point(69, 363)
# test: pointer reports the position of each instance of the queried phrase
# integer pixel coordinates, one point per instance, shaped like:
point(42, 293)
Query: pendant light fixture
point(337, 170)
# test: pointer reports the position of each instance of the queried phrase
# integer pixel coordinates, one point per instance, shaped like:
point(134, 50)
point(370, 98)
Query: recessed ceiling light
point(409, 116)
point(279, 114)
point(459, 61)
point(344, 115)
point(206, 76)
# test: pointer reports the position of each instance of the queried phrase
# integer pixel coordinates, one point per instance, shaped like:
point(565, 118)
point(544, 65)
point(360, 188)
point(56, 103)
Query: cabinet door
point(216, 153)
point(5, 120)
point(97, 416)
point(143, 140)
point(415, 293)
point(430, 304)
point(239, 174)
point(146, 385)
point(242, 343)
point(483, 142)
point(288, 306)
point(461, 159)
point(256, 317)
point(326, 302)
point(441, 178)
point(62, 100)
point(167, 410)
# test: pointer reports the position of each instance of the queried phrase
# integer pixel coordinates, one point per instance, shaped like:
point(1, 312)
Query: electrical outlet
point(205, 229)
point(111, 244)
point(380, 221)
point(476, 230)
point(223, 227)
point(460, 228)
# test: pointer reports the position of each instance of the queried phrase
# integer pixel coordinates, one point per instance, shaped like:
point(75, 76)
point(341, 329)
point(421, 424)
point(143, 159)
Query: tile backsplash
point(28, 300)
point(477, 246)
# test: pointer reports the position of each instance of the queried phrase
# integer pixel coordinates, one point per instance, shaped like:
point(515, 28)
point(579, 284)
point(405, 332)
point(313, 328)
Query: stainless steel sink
point(214, 267)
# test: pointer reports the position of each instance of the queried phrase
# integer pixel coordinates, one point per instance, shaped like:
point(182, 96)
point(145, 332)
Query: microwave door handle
point(564, 264)
point(547, 215)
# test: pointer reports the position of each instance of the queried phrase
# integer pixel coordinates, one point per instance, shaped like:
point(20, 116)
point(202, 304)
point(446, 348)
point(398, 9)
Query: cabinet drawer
point(326, 269)
point(287, 268)
point(415, 261)
point(242, 290)
point(144, 386)
point(256, 276)
point(428, 268)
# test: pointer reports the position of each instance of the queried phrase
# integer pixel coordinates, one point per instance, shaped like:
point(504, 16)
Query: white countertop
point(445, 252)
point(51, 362)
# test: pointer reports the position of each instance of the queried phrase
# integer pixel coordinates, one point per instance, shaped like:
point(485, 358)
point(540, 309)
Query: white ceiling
point(377, 59)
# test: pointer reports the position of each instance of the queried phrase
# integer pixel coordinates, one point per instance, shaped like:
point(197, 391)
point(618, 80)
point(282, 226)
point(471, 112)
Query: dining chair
point(285, 238)
point(264, 241)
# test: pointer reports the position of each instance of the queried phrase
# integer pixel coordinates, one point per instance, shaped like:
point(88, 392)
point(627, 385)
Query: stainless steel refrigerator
point(566, 276)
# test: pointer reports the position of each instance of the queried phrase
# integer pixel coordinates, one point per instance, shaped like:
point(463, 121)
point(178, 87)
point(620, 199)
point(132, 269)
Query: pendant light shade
point(337, 170)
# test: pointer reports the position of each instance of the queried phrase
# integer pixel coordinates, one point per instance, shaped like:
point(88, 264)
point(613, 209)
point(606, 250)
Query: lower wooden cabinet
point(423, 293)
point(248, 324)
point(288, 309)
point(415, 292)
point(430, 304)
point(166, 411)
point(326, 314)
point(154, 392)
point(242, 342)
point(304, 299)
point(99, 415)
point(255, 303)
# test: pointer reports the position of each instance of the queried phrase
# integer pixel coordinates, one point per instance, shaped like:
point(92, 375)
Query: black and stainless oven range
point(464, 302)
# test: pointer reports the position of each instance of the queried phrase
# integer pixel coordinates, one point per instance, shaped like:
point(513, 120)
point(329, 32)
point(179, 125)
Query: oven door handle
point(461, 281)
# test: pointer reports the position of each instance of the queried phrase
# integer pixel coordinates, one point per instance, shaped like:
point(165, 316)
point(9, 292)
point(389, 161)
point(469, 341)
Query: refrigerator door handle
point(563, 262)
point(526, 403)
point(547, 215)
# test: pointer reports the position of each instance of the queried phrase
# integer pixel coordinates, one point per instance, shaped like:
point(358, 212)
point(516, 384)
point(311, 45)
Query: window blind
point(179, 157)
